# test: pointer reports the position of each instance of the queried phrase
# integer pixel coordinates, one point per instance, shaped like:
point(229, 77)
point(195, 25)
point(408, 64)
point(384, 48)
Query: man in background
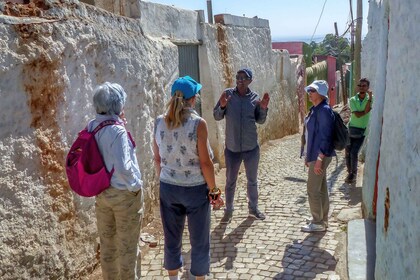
point(360, 107)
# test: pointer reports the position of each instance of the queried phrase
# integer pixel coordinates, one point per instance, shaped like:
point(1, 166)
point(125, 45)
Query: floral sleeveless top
point(178, 152)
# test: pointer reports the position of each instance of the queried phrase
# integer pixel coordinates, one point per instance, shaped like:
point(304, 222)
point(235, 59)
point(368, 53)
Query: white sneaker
point(313, 228)
point(308, 221)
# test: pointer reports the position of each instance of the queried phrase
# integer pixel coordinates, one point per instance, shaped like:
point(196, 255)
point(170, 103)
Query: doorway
point(188, 65)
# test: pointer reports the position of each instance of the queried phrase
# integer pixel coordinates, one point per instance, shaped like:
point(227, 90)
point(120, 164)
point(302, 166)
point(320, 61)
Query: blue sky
point(288, 19)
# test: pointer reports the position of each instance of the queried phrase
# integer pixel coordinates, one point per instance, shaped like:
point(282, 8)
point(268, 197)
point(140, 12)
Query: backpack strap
point(105, 123)
point(112, 122)
point(131, 139)
point(303, 136)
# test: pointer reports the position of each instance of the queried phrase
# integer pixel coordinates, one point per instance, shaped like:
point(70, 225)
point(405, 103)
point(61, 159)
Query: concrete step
point(361, 249)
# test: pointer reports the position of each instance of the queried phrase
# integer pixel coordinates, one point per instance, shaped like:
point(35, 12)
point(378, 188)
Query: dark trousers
point(352, 154)
point(233, 162)
point(177, 203)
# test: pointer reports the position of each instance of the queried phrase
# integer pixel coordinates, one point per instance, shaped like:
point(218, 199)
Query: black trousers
point(352, 154)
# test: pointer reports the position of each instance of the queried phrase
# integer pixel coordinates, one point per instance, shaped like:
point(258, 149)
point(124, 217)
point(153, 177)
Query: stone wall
point(48, 68)
point(52, 54)
point(389, 59)
point(274, 72)
point(225, 48)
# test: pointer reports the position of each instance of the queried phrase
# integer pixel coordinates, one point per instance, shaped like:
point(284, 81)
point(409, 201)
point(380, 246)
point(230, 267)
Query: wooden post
point(351, 32)
point(358, 43)
point(343, 82)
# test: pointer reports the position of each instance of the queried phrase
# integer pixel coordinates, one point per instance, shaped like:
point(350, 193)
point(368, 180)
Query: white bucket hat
point(320, 86)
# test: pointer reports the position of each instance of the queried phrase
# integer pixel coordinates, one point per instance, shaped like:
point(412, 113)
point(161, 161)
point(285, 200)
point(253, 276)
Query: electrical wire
point(349, 26)
point(319, 19)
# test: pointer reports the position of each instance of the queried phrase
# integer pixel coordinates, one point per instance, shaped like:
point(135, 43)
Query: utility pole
point(209, 11)
point(351, 32)
point(358, 43)
point(343, 82)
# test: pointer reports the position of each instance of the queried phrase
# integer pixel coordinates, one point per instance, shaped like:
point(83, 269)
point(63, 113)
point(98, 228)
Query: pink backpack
point(85, 167)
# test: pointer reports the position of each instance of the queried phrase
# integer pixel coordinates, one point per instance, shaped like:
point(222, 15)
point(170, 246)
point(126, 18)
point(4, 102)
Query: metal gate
point(188, 64)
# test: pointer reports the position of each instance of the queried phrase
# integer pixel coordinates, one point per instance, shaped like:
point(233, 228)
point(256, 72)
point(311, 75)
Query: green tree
point(332, 45)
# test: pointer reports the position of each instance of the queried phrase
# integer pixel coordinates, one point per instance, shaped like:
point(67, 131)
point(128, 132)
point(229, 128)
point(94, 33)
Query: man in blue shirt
point(242, 108)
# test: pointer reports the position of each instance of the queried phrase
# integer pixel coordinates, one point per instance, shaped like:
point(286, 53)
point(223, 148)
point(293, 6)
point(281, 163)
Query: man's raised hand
point(265, 100)
point(224, 99)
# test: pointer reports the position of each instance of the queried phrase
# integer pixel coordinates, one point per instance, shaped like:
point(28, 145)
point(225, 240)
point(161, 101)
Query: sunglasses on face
point(242, 78)
point(359, 85)
point(311, 90)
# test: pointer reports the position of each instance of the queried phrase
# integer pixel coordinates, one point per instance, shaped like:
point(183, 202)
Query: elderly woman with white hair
point(319, 150)
point(119, 209)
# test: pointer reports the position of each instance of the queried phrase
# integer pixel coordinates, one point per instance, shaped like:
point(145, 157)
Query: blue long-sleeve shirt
point(241, 114)
point(320, 128)
point(119, 153)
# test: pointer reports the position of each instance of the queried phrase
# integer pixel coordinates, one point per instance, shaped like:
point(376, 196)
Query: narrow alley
point(274, 248)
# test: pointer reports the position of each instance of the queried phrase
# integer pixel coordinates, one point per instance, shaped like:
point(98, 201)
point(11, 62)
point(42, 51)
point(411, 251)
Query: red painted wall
point(291, 47)
point(331, 62)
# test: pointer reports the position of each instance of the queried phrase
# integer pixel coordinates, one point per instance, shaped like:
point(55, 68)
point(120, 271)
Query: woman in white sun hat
point(319, 150)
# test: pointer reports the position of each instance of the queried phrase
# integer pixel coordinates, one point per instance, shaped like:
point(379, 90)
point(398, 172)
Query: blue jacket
point(320, 128)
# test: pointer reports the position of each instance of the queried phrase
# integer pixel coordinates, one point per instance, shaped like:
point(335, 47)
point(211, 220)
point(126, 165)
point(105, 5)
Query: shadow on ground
point(305, 259)
point(332, 179)
point(294, 179)
point(228, 243)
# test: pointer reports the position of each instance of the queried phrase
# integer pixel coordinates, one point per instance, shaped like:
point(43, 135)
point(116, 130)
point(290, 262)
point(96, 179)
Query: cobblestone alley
point(274, 248)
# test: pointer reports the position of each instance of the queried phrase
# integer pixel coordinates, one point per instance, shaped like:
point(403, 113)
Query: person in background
point(242, 108)
point(318, 152)
point(183, 161)
point(360, 107)
point(119, 209)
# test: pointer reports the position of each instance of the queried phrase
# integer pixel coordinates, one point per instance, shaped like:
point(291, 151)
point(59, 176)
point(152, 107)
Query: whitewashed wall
point(164, 21)
point(50, 64)
point(390, 59)
point(374, 61)
point(273, 73)
point(48, 71)
point(223, 50)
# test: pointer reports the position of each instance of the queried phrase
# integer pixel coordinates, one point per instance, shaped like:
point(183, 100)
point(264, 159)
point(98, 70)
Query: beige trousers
point(319, 202)
point(119, 214)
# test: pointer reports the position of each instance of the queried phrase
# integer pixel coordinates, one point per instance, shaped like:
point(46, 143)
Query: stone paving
point(274, 248)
